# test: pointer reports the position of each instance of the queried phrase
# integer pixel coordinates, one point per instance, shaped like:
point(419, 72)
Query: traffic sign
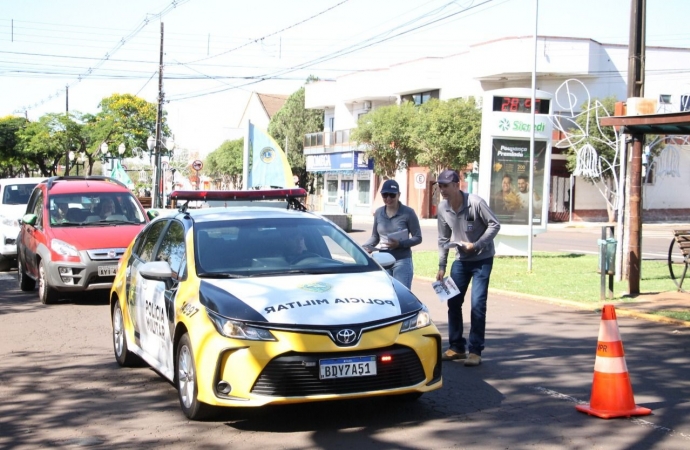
point(197, 165)
point(420, 181)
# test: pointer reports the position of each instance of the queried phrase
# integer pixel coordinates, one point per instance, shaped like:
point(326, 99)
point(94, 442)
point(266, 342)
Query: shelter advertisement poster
point(510, 181)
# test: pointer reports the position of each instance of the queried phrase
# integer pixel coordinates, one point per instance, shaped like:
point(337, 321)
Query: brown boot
point(473, 360)
point(452, 355)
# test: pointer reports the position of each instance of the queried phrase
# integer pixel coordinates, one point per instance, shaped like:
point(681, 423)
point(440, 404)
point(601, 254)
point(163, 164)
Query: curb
point(593, 307)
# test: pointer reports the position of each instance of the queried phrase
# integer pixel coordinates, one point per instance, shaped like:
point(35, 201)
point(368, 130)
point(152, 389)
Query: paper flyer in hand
point(452, 245)
point(445, 289)
point(398, 236)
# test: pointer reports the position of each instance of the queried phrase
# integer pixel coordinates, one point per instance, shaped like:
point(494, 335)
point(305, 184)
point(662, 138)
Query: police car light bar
point(264, 194)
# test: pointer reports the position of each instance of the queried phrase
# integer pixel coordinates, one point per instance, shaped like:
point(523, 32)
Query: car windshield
point(263, 247)
point(95, 209)
point(17, 194)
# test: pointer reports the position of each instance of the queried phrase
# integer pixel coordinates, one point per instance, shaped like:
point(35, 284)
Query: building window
point(363, 191)
point(421, 97)
point(332, 189)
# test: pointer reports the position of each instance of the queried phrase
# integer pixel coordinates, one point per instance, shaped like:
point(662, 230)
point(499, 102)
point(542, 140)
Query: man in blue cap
point(466, 221)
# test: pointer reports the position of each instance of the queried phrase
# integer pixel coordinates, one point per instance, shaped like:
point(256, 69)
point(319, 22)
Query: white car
point(14, 195)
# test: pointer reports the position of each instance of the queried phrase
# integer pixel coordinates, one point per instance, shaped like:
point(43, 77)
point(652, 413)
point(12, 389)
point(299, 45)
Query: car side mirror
point(152, 214)
point(156, 270)
point(29, 219)
point(385, 259)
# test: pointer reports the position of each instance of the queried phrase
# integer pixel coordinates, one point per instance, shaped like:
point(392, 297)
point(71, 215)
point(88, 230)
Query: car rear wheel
point(186, 381)
point(26, 283)
point(123, 356)
point(47, 294)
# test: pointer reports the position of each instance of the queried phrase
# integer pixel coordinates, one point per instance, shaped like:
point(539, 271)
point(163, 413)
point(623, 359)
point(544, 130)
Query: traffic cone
point(612, 394)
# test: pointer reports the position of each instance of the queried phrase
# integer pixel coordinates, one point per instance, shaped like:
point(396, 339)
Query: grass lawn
point(565, 276)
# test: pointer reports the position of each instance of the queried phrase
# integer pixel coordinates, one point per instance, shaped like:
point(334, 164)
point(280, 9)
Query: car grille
point(297, 374)
point(106, 253)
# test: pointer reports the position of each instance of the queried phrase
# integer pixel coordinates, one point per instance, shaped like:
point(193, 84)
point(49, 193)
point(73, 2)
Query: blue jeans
point(402, 271)
point(462, 272)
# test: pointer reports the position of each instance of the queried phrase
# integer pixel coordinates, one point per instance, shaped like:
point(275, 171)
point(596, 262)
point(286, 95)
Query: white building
point(502, 63)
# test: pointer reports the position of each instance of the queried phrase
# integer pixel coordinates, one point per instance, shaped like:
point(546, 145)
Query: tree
point(447, 134)
point(12, 162)
point(225, 163)
point(45, 142)
point(289, 125)
point(123, 119)
point(387, 135)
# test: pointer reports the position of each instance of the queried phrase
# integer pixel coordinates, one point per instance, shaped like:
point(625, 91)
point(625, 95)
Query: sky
point(216, 52)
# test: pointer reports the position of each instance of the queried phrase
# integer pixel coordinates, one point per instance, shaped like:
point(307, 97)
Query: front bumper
point(8, 243)
point(67, 276)
point(287, 371)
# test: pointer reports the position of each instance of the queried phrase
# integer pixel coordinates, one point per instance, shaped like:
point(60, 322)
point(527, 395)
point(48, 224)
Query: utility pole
point(157, 202)
point(636, 68)
point(67, 117)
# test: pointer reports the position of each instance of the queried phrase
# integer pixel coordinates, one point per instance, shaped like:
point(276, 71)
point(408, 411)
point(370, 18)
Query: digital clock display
point(520, 105)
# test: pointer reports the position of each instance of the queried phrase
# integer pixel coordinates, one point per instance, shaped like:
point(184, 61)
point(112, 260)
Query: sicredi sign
point(509, 125)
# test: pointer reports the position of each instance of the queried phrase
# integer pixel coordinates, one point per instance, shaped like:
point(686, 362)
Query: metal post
point(157, 200)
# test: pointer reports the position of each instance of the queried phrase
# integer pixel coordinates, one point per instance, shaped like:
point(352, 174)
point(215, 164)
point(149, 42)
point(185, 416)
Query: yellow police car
point(257, 301)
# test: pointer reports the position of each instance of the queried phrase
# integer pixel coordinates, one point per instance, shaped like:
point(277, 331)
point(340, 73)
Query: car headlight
point(420, 320)
point(63, 248)
point(9, 222)
point(239, 330)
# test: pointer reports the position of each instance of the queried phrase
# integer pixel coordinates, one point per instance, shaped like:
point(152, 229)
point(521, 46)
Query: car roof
point(31, 180)
point(60, 185)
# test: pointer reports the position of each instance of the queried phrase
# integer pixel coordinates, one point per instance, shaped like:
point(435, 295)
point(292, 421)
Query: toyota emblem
point(345, 336)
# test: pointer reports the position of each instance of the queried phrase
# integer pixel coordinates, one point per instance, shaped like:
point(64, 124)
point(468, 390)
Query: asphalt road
point(61, 388)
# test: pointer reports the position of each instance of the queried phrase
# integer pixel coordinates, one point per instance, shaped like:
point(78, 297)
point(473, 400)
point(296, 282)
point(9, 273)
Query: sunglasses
point(388, 195)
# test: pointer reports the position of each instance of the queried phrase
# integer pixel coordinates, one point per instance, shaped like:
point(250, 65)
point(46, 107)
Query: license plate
point(360, 366)
point(107, 271)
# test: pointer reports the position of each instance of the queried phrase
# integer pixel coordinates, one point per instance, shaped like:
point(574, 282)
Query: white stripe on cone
point(610, 365)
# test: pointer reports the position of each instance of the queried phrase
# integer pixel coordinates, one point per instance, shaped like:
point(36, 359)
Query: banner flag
point(120, 175)
point(269, 165)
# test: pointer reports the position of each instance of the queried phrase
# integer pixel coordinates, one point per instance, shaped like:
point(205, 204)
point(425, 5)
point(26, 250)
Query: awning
point(665, 124)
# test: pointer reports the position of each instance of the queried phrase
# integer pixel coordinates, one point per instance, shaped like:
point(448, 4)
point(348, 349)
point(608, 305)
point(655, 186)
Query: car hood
point(13, 211)
point(328, 299)
point(91, 237)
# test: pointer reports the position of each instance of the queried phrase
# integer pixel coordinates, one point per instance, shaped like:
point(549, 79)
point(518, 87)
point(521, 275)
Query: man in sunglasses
point(466, 223)
point(396, 229)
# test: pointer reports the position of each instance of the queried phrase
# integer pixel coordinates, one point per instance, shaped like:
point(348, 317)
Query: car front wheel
point(123, 356)
point(26, 283)
point(47, 294)
point(187, 388)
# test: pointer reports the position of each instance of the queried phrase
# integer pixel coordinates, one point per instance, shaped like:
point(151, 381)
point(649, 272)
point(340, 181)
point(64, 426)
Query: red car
point(73, 234)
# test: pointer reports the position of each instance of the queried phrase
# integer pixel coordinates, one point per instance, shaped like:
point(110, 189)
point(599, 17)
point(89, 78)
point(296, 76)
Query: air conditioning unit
point(637, 106)
point(367, 105)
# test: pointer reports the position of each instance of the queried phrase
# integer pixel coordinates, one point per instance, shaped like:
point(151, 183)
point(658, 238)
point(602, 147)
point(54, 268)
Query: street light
point(76, 164)
point(121, 149)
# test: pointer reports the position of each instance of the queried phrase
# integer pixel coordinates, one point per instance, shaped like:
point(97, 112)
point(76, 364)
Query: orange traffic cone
point(612, 394)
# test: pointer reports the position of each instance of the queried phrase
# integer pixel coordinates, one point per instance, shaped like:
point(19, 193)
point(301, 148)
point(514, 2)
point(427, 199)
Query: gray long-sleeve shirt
point(404, 219)
point(475, 222)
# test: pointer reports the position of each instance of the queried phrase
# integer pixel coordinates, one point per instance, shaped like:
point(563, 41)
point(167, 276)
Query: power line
point(174, 4)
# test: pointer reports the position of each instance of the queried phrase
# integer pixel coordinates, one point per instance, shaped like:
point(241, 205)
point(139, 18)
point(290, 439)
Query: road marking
point(634, 420)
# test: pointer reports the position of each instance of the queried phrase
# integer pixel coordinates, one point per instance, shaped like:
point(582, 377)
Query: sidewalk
point(646, 306)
